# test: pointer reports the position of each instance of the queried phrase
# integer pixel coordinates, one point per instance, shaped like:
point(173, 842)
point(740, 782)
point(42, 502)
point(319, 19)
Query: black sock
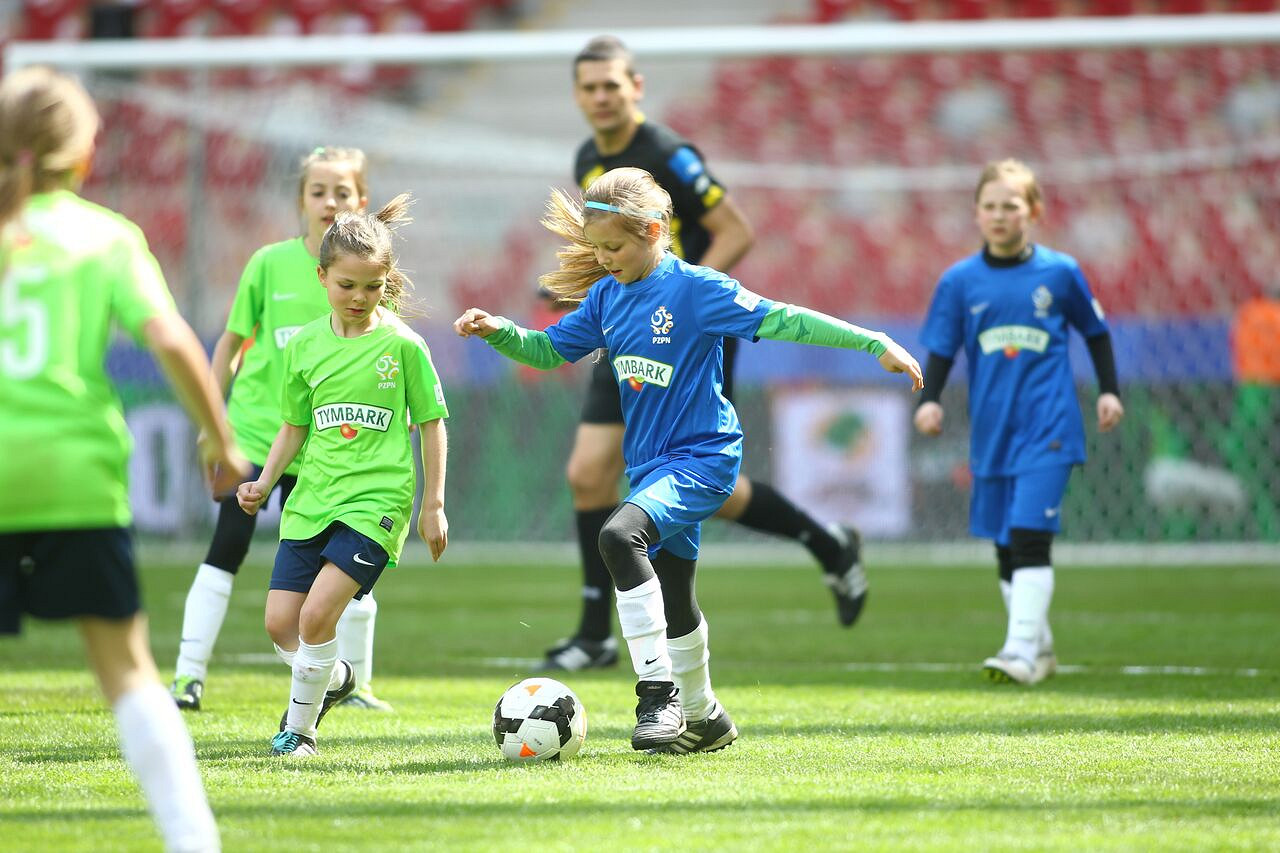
point(597, 585)
point(772, 513)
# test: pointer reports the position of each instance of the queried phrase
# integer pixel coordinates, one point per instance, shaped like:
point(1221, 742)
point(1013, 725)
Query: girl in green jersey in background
point(349, 379)
point(277, 296)
point(69, 270)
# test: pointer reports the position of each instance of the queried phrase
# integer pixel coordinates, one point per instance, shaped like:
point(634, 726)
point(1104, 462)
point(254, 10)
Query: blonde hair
point(331, 154)
point(641, 203)
point(368, 236)
point(1015, 170)
point(47, 126)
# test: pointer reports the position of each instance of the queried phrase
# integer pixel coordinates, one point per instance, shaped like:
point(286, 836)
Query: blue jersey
point(663, 336)
point(1012, 321)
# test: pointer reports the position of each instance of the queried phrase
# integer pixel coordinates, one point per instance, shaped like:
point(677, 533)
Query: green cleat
point(187, 692)
point(293, 744)
point(362, 697)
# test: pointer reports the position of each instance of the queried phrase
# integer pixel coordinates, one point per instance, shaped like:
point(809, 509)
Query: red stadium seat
point(52, 19)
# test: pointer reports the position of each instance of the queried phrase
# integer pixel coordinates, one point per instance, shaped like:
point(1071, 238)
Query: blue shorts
point(677, 497)
point(64, 574)
point(299, 561)
point(1032, 501)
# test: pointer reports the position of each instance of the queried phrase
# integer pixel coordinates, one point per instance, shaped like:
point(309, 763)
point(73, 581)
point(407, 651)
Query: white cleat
point(1007, 669)
point(1046, 665)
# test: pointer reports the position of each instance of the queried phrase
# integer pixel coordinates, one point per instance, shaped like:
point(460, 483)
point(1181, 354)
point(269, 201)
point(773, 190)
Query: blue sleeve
point(727, 309)
point(578, 333)
point(1083, 310)
point(943, 331)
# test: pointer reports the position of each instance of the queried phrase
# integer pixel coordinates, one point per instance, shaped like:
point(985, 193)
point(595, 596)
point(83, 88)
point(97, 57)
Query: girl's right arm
point(183, 361)
point(288, 442)
point(526, 346)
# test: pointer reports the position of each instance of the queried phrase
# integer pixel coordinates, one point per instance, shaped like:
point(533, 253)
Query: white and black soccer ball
point(539, 719)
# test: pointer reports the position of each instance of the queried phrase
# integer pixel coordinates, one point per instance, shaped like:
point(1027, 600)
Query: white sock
point(313, 668)
point(644, 626)
point(202, 619)
point(285, 655)
point(355, 637)
point(158, 749)
point(691, 672)
point(1029, 597)
point(1046, 635)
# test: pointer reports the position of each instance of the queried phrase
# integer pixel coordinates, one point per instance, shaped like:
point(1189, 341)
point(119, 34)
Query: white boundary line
point(527, 664)
point(755, 552)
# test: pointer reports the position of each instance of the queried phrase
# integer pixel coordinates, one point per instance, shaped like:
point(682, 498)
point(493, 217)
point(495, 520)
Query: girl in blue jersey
point(1010, 306)
point(660, 322)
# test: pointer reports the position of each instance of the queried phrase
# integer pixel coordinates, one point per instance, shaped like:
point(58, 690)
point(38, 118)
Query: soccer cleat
point(293, 744)
point(187, 692)
point(714, 733)
point(1046, 665)
point(659, 717)
point(577, 654)
point(1005, 668)
point(362, 697)
point(331, 697)
point(846, 578)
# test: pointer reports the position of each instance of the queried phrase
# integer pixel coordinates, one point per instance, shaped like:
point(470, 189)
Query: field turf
point(1161, 732)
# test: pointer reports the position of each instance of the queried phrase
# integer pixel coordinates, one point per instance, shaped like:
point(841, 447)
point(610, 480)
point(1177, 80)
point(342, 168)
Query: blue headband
point(613, 208)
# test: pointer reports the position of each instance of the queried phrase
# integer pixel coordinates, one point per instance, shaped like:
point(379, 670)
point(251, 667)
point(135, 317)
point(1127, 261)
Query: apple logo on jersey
point(348, 432)
point(636, 384)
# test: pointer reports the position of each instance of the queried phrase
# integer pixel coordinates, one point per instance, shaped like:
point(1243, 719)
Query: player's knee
point(588, 477)
point(1028, 548)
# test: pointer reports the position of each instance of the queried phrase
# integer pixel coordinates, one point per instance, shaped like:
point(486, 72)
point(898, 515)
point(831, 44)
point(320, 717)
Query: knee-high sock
point(158, 749)
point(285, 655)
point(355, 637)
point(1030, 593)
point(644, 626)
point(202, 619)
point(772, 512)
point(691, 671)
point(313, 668)
point(1046, 634)
point(597, 585)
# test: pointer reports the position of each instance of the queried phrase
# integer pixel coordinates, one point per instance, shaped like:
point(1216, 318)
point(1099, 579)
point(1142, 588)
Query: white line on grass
point(269, 659)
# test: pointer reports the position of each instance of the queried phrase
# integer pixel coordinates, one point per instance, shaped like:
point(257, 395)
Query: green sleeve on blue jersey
point(526, 346)
point(802, 326)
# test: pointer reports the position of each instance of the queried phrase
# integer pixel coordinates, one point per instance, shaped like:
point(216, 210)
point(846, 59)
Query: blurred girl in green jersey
point(349, 380)
point(277, 296)
point(69, 271)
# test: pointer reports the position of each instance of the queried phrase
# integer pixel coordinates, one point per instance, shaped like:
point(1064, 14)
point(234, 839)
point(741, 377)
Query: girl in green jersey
point(349, 380)
point(277, 296)
point(69, 270)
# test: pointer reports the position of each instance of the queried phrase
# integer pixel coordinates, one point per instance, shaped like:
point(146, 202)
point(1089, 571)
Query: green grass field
point(1162, 732)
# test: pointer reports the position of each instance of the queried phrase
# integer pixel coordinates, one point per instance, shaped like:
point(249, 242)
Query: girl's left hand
point(433, 527)
point(898, 360)
point(1110, 412)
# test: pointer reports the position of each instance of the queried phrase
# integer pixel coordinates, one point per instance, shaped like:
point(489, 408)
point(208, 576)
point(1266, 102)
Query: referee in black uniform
point(707, 228)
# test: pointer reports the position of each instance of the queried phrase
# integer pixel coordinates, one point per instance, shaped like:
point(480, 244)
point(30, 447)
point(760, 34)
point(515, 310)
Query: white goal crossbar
point(697, 42)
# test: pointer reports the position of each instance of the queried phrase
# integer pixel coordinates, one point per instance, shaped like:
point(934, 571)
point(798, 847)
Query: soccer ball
point(538, 719)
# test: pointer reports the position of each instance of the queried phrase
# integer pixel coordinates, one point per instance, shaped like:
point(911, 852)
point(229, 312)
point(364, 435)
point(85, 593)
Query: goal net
point(853, 149)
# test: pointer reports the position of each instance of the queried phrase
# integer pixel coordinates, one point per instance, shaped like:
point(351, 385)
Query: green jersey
point(69, 269)
point(353, 393)
point(279, 293)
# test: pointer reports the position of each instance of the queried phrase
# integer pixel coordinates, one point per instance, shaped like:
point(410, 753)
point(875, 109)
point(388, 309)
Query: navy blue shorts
point(299, 561)
point(64, 574)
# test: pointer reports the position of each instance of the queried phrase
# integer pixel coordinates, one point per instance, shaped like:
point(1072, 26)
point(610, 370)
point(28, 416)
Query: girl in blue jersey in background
point(660, 322)
point(1010, 307)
